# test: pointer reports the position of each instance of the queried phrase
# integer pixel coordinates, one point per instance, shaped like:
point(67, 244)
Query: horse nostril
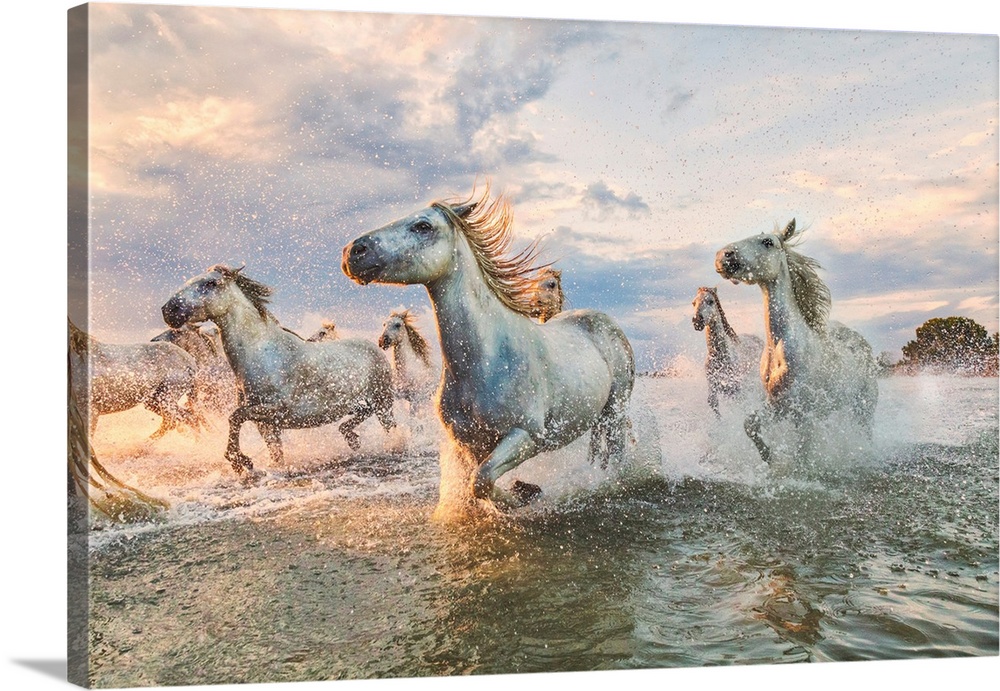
point(358, 249)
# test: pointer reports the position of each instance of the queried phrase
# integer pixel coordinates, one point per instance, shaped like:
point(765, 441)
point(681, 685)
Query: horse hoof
point(240, 462)
point(525, 492)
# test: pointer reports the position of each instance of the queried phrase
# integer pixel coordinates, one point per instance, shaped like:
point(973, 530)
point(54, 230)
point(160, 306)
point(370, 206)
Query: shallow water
point(696, 554)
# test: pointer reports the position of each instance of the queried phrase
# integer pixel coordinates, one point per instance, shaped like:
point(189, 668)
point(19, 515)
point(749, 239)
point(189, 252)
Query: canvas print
point(412, 345)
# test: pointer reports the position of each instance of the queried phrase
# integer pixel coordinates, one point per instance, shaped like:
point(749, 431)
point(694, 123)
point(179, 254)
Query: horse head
point(705, 304)
point(756, 259)
point(427, 246)
point(548, 297)
point(416, 249)
point(211, 294)
point(768, 258)
point(393, 329)
point(327, 332)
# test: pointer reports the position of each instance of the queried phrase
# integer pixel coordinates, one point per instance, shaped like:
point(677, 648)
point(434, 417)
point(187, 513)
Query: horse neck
point(720, 344)
point(241, 327)
point(471, 320)
point(783, 321)
point(404, 356)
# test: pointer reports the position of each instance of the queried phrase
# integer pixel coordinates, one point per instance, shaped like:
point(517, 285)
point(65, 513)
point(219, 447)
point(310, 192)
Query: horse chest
point(775, 371)
point(478, 408)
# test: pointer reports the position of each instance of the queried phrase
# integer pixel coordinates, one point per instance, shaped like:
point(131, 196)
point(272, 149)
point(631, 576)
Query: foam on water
point(674, 437)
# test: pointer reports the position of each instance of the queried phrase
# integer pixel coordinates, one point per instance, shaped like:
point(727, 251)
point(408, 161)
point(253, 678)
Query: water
point(331, 567)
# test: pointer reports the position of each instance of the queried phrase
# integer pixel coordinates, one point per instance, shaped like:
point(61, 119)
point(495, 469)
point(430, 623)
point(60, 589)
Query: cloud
point(275, 137)
point(604, 201)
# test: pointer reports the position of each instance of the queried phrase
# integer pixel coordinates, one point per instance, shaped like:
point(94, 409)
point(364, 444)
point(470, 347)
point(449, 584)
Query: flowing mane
point(722, 313)
point(487, 227)
point(417, 341)
point(256, 292)
point(811, 294)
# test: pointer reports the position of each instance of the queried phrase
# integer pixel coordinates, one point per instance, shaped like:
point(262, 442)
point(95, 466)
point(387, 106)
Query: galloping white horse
point(510, 387)
point(730, 356)
point(285, 381)
point(412, 379)
point(810, 367)
point(111, 377)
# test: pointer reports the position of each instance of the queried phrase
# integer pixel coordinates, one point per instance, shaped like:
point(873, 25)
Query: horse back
point(609, 340)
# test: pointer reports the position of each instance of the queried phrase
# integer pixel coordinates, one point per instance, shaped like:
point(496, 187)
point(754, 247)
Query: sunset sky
point(633, 150)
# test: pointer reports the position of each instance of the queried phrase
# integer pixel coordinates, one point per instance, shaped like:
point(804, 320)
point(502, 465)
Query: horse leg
point(168, 417)
point(607, 440)
point(618, 433)
point(752, 427)
point(272, 437)
point(384, 412)
point(164, 402)
point(713, 401)
point(598, 448)
point(239, 460)
point(347, 426)
point(257, 413)
point(513, 449)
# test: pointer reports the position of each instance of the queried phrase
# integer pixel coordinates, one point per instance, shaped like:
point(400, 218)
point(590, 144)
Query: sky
point(632, 151)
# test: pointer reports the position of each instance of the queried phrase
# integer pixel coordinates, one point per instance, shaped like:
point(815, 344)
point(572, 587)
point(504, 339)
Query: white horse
point(810, 367)
point(326, 332)
point(730, 357)
point(214, 381)
point(548, 298)
point(412, 379)
point(285, 382)
point(510, 387)
point(111, 377)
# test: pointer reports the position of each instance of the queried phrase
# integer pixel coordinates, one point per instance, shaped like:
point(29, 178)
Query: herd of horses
point(519, 374)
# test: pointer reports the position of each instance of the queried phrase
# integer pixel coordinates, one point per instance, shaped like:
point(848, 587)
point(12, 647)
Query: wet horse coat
point(730, 357)
point(285, 381)
point(511, 387)
point(810, 367)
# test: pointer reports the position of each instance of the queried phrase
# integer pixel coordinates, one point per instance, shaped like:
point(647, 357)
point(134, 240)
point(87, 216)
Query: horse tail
point(611, 430)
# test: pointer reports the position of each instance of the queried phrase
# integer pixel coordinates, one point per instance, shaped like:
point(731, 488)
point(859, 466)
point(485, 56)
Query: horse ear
point(789, 231)
point(463, 210)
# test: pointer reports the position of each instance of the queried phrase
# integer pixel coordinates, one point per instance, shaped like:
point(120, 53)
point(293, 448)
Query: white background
point(32, 367)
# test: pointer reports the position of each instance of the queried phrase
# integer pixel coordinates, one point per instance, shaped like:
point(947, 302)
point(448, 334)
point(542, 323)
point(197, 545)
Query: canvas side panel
point(78, 242)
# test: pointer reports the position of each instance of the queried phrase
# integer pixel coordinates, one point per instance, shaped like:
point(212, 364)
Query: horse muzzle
point(384, 343)
point(175, 313)
point(698, 323)
point(359, 261)
point(727, 264)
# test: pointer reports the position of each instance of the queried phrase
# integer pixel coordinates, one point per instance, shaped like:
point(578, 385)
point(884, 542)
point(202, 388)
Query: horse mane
point(256, 292)
point(487, 227)
point(810, 292)
point(417, 340)
point(722, 313)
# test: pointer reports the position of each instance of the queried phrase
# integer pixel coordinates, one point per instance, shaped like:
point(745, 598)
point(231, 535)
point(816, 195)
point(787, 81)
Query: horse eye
point(768, 242)
point(422, 226)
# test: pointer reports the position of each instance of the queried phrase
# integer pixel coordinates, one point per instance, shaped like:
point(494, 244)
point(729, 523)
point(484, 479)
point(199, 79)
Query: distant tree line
point(949, 344)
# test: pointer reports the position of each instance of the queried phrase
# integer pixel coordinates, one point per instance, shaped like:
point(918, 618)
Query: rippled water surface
point(331, 567)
